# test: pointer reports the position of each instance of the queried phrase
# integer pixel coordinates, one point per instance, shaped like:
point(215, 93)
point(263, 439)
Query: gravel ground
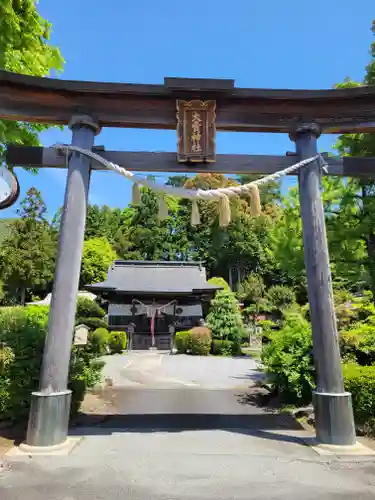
point(144, 369)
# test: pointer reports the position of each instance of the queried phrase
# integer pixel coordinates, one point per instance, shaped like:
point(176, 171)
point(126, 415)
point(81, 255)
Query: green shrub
point(87, 308)
point(195, 341)
point(288, 360)
point(182, 340)
point(117, 342)
point(23, 331)
point(92, 323)
point(224, 318)
point(85, 373)
point(357, 343)
point(99, 341)
point(222, 347)
point(200, 340)
point(360, 381)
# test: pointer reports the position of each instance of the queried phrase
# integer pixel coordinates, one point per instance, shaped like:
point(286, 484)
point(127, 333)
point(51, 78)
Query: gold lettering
point(196, 124)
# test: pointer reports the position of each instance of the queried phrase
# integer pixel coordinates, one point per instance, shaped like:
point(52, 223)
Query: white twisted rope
point(200, 194)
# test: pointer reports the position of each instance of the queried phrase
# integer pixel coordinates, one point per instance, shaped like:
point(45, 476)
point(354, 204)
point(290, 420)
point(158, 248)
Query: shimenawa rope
point(221, 195)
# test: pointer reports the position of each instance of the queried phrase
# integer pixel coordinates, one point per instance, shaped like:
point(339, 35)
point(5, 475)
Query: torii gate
point(203, 106)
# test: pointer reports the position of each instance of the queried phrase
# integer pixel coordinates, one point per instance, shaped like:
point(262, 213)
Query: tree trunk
point(23, 295)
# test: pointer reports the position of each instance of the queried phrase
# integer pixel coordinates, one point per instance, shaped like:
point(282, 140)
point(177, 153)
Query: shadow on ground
point(262, 425)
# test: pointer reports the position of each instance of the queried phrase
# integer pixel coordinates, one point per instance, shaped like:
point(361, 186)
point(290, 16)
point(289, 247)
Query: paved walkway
point(170, 439)
point(162, 370)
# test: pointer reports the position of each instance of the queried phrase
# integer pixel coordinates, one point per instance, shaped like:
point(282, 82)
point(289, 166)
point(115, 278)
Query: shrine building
point(151, 300)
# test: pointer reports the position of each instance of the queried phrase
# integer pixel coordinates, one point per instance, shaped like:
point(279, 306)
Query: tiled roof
point(154, 276)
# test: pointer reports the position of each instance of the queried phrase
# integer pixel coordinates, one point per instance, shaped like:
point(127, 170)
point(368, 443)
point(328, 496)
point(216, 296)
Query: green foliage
point(182, 341)
point(280, 297)
point(218, 281)
point(195, 341)
point(99, 339)
point(360, 381)
point(224, 318)
point(27, 255)
point(87, 308)
point(288, 360)
point(25, 48)
point(117, 342)
point(225, 348)
point(200, 340)
point(97, 257)
point(22, 332)
point(357, 343)
point(92, 323)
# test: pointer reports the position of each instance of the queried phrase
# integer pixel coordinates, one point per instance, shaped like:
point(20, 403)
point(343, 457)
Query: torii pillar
point(50, 406)
point(333, 406)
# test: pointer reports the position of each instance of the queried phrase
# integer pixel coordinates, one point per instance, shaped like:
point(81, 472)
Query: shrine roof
point(145, 277)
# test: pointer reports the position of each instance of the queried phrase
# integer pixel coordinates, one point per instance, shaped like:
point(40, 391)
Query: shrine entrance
point(203, 107)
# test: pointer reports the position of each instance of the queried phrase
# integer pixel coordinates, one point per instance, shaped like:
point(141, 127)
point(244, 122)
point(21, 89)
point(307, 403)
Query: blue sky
point(259, 43)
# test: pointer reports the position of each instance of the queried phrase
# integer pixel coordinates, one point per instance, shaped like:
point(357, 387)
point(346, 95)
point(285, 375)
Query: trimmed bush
point(195, 341)
point(99, 341)
point(117, 342)
point(360, 381)
point(222, 347)
point(87, 308)
point(182, 341)
point(200, 341)
point(92, 323)
point(22, 333)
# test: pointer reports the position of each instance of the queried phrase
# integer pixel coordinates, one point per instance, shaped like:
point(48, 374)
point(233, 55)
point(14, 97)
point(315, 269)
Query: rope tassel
point(195, 218)
point(255, 206)
point(136, 194)
point(224, 211)
point(163, 209)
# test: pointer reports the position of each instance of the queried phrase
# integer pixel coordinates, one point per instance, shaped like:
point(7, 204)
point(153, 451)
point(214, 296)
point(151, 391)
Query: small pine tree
point(224, 318)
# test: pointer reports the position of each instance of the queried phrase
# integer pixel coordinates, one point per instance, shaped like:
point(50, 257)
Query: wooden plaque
point(81, 333)
point(196, 131)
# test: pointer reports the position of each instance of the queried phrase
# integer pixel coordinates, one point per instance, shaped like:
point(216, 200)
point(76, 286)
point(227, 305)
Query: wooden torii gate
point(196, 108)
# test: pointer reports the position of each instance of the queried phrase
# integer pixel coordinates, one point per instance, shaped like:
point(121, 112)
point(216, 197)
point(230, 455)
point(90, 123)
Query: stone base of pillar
point(48, 419)
point(334, 421)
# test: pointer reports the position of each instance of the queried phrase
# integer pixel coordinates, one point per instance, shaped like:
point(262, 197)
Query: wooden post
point(50, 406)
point(333, 407)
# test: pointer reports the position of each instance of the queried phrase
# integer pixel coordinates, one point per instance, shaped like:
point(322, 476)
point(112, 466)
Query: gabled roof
point(148, 277)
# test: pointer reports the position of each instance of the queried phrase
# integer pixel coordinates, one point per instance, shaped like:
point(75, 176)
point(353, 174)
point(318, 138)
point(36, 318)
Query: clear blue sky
point(259, 43)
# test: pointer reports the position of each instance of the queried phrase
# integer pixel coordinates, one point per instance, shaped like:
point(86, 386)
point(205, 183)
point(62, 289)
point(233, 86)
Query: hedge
point(225, 348)
point(99, 341)
point(195, 341)
point(22, 335)
point(360, 381)
point(117, 342)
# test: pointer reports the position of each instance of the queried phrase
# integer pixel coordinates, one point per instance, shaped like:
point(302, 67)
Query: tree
point(357, 210)
point(224, 318)
point(27, 255)
point(97, 257)
point(251, 291)
point(280, 297)
point(25, 48)
point(155, 239)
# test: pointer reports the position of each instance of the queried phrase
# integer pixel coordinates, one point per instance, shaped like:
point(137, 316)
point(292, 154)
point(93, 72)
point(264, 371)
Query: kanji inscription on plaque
point(196, 131)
